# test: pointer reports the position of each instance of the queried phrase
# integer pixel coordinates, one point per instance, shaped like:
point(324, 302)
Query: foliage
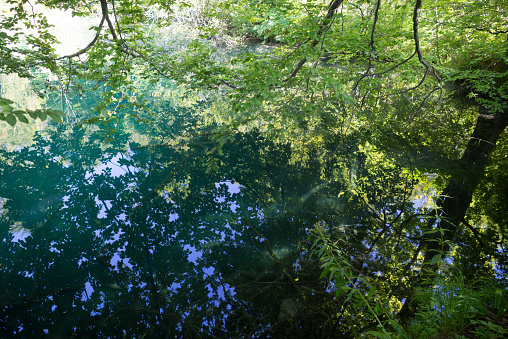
point(376, 97)
point(349, 285)
point(450, 305)
point(11, 115)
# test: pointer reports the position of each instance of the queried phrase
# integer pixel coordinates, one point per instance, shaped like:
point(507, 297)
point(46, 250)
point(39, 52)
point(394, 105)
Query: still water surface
point(122, 238)
point(137, 237)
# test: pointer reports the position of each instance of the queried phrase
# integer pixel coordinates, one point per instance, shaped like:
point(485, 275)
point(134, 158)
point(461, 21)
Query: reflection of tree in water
point(86, 256)
point(100, 259)
point(146, 241)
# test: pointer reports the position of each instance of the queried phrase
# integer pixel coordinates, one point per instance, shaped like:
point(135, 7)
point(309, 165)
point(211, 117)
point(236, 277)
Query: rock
point(289, 308)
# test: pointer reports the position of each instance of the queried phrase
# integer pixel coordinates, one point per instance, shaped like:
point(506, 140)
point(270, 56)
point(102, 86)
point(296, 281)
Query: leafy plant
point(488, 330)
point(353, 290)
point(11, 115)
point(451, 305)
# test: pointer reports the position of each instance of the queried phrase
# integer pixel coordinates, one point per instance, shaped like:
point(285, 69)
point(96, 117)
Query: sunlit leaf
point(57, 118)
point(6, 108)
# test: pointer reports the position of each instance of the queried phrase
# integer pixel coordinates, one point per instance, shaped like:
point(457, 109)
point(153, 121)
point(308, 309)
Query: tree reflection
point(143, 240)
point(137, 239)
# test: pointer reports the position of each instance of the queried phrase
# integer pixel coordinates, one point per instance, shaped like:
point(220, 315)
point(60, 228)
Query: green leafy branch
point(11, 115)
point(337, 269)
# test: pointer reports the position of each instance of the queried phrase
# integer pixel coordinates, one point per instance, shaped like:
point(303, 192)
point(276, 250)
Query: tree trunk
point(455, 199)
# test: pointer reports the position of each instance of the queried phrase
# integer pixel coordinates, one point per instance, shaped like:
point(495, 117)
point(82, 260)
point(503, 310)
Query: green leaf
point(380, 335)
point(54, 111)
point(11, 119)
point(341, 290)
point(21, 116)
point(396, 326)
point(6, 108)
point(498, 301)
point(4, 101)
point(350, 295)
point(55, 117)
point(435, 259)
point(372, 291)
point(324, 273)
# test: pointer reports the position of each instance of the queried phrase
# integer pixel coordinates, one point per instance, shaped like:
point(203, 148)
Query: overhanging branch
point(371, 45)
point(417, 51)
point(428, 67)
point(105, 17)
point(84, 50)
point(105, 13)
point(334, 5)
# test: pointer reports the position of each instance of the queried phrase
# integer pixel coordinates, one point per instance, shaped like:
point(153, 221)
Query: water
point(106, 239)
point(138, 237)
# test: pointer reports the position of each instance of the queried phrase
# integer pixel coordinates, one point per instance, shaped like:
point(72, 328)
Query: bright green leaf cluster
point(12, 116)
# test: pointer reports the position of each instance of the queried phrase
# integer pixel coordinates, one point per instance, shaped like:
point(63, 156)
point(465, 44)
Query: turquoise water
point(156, 234)
point(111, 239)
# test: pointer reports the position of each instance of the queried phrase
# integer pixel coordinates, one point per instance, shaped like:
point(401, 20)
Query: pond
point(160, 233)
point(306, 184)
point(139, 236)
point(112, 238)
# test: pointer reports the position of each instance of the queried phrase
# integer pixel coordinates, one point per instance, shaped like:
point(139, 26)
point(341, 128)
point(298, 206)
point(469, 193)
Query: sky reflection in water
point(104, 250)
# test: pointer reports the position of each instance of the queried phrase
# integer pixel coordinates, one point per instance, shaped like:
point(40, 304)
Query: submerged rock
point(289, 308)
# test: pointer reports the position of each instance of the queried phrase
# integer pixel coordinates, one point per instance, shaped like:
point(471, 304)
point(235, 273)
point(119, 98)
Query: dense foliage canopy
point(396, 109)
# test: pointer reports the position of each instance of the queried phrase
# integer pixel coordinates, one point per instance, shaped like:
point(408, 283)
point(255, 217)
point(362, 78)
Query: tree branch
point(488, 30)
point(475, 232)
point(105, 13)
point(376, 16)
point(84, 50)
point(116, 20)
point(105, 17)
point(334, 5)
point(371, 45)
point(428, 67)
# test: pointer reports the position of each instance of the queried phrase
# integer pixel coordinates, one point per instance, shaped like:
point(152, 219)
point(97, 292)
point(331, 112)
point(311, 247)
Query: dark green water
point(111, 239)
point(138, 238)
